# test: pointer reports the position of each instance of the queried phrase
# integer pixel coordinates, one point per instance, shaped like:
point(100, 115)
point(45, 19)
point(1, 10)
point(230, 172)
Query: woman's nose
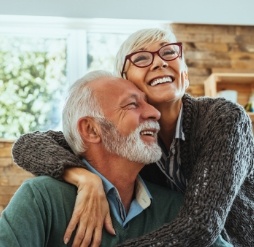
point(158, 62)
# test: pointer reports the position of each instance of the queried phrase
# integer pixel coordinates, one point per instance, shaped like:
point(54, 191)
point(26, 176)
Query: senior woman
point(208, 154)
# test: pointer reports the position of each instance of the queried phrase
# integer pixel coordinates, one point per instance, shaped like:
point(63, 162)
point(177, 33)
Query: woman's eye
point(168, 52)
point(139, 59)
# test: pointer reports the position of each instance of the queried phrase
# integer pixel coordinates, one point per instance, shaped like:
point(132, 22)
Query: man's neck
point(121, 173)
point(126, 192)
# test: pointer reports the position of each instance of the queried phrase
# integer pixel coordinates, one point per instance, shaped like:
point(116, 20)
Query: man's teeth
point(146, 132)
point(161, 80)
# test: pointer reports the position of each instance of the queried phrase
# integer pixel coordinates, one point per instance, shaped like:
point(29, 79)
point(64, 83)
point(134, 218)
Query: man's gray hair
point(81, 102)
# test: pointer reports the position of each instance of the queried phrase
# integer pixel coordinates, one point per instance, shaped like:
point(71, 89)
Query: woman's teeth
point(161, 80)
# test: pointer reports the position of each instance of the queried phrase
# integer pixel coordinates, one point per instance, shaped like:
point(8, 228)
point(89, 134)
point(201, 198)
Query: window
point(41, 57)
point(32, 80)
point(102, 48)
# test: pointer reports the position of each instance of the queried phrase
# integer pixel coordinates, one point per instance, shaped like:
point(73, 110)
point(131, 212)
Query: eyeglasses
point(143, 59)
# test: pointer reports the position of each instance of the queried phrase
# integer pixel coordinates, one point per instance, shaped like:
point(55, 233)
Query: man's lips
point(161, 80)
point(149, 135)
point(149, 132)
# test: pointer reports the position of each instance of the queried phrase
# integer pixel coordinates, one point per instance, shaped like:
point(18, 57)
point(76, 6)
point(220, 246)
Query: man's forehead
point(127, 88)
point(111, 84)
point(116, 91)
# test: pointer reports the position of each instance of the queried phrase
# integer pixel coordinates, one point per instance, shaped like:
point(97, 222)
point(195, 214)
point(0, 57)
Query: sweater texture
point(217, 159)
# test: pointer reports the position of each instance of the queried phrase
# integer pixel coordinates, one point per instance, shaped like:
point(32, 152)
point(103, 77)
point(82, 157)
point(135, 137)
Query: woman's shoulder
point(214, 107)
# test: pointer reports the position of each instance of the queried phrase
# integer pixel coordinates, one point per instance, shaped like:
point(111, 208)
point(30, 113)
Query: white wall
point(235, 12)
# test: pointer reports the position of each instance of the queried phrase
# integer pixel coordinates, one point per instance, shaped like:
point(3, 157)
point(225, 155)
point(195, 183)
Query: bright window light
point(40, 57)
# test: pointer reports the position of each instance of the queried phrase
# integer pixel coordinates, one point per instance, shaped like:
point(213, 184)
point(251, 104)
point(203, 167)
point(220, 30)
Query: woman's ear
point(89, 130)
point(186, 79)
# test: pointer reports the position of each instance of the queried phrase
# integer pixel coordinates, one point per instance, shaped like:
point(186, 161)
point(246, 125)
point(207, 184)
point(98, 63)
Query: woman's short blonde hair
point(141, 39)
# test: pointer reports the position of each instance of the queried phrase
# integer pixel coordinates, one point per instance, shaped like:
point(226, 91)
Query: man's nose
point(151, 112)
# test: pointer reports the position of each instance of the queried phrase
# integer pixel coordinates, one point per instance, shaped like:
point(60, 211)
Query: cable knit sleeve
point(44, 153)
point(220, 182)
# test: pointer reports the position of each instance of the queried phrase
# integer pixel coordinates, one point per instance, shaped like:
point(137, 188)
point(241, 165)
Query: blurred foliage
point(102, 49)
point(31, 87)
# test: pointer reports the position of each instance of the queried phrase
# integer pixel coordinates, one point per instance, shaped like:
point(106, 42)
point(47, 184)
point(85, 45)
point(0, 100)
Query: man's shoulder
point(42, 183)
point(164, 207)
point(162, 193)
point(43, 180)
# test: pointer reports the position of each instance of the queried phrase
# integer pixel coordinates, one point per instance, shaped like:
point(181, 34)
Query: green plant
point(31, 87)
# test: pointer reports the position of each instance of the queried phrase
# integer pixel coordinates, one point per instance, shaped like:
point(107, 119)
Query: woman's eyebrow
point(145, 48)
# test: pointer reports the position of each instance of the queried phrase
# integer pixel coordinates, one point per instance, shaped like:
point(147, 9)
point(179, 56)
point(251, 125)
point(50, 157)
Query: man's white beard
point(131, 147)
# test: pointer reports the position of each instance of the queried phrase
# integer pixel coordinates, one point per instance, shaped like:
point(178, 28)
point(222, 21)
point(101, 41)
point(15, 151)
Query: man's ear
point(186, 79)
point(89, 130)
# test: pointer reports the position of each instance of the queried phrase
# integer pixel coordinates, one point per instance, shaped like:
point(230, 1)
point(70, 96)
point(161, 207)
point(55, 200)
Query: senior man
point(107, 121)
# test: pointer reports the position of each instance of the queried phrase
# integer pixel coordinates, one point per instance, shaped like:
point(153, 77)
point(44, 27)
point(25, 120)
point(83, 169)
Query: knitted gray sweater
point(217, 160)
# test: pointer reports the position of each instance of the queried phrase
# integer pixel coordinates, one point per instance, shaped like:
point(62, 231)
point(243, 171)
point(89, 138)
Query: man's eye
point(132, 105)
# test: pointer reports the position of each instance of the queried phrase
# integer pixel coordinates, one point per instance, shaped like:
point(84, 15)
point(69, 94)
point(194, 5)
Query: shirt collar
point(179, 126)
point(142, 194)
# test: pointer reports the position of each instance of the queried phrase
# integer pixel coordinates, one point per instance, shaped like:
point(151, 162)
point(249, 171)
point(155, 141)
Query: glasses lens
point(169, 52)
point(142, 59)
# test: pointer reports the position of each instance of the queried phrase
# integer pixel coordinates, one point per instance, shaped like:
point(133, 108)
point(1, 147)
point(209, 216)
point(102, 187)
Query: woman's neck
point(168, 121)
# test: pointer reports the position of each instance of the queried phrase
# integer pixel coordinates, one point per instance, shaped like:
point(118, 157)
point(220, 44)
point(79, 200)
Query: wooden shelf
point(243, 83)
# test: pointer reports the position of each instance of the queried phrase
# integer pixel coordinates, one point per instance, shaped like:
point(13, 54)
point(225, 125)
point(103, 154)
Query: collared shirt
point(170, 162)
point(142, 199)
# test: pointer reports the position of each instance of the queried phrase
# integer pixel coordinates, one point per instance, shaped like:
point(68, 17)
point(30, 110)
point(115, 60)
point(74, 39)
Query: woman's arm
point(44, 153)
point(224, 161)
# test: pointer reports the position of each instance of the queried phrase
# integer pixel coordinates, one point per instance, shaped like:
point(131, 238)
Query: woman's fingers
point(79, 219)
point(71, 227)
point(108, 224)
point(91, 212)
point(92, 236)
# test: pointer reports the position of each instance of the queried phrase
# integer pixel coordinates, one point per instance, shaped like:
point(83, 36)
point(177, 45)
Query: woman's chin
point(165, 97)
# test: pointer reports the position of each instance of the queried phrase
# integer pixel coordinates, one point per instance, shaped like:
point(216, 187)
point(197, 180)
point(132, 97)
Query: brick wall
point(215, 48)
point(11, 176)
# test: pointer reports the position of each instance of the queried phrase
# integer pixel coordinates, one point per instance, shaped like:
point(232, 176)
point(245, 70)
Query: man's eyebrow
point(134, 96)
point(143, 96)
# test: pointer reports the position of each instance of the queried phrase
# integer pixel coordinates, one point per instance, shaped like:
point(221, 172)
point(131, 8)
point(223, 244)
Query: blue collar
point(142, 200)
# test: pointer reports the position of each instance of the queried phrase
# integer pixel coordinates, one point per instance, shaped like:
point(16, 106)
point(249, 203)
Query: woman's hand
point(91, 209)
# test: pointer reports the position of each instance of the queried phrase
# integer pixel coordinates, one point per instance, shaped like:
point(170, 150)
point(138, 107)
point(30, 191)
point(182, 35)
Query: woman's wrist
point(80, 176)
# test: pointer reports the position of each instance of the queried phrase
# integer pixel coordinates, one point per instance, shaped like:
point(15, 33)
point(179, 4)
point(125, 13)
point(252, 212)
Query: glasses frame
point(127, 57)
